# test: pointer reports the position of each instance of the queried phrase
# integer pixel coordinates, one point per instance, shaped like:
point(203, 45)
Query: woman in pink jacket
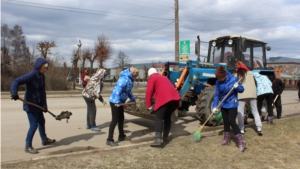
point(166, 102)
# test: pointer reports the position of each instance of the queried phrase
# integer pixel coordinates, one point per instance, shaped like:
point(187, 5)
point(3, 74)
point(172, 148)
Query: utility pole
point(176, 32)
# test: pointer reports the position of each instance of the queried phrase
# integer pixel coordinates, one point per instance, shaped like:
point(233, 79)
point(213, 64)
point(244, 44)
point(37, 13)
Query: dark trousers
point(229, 119)
point(91, 112)
point(278, 105)
point(117, 118)
point(163, 117)
point(298, 92)
point(36, 120)
point(269, 99)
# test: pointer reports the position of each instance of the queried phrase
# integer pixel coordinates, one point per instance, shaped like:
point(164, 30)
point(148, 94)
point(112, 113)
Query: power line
point(78, 10)
point(130, 4)
point(150, 32)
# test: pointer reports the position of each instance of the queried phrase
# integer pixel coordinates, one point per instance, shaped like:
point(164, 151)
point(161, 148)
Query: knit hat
point(151, 71)
point(134, 71)
point(220, 72)
point(240, 65)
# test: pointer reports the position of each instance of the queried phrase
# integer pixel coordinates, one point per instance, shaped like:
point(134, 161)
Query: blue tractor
point(195, 80)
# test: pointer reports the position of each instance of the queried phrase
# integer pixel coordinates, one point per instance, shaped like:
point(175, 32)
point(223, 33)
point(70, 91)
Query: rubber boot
point(241, 143)
point(157, 140)
point(270, 120)
point(226, 140)
point(166, 135)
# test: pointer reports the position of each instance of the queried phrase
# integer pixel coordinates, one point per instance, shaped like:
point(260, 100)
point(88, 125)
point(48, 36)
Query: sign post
point(185, 47)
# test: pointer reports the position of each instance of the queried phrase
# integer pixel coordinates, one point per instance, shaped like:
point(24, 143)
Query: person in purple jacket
point(35, 93)
point(225, 82)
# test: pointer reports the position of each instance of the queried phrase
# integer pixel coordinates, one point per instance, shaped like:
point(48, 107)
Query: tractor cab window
point(258, 57)
point(215, 54)
point(230, 58)
point(245, 57)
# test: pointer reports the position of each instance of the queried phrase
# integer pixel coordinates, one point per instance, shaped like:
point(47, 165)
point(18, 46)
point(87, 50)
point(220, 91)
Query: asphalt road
point(73, 136)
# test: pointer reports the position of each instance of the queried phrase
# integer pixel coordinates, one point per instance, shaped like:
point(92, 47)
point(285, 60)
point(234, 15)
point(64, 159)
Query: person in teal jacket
point(120, 93)
point(225, 82)
point(264, 91)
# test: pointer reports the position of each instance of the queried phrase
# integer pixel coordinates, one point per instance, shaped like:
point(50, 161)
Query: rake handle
point(220, 104)
point(37, 106)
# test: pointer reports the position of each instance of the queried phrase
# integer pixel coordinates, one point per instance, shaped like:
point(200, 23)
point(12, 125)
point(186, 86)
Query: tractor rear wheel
point(204, 106)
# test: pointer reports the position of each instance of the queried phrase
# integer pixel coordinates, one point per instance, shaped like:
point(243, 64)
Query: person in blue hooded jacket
point(120, 93)
point(35, 93)
point(225, 82)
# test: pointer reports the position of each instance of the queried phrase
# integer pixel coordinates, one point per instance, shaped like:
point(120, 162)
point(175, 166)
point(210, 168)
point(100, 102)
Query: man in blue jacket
point(36, 94)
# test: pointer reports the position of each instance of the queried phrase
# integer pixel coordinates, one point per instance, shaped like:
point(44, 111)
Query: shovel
point(63, 115)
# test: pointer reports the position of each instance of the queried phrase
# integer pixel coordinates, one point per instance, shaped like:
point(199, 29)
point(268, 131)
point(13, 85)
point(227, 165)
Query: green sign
point(185, 47)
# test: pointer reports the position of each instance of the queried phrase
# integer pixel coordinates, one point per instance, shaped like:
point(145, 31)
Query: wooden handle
point(272, 105)
point(219, 105)
point(37, 106)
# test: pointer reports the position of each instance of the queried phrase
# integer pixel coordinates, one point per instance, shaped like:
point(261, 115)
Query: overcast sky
point(144, 29)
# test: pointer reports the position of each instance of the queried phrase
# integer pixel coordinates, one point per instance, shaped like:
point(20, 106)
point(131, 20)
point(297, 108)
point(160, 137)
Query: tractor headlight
point(230, 42)
point(214, 43)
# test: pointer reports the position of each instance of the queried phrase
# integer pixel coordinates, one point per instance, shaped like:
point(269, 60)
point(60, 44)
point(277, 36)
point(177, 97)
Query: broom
point(218, 117)
point(197, 134)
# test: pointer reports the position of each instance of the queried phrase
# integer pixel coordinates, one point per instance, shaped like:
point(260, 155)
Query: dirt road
point(73, 136)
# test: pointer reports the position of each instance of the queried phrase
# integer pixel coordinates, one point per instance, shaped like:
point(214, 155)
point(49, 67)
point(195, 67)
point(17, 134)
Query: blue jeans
point(36, 119)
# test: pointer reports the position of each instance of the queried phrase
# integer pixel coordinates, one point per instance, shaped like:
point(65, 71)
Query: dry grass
point(279, 148)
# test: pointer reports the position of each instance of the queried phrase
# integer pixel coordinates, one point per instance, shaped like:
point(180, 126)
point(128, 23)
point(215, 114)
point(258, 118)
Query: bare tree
point(44, 48)
point(92, 57)
point(14, 54)
point(75, 59)
point(122, 60)
point(84, 57)
point(145, 73)
point(103, 50)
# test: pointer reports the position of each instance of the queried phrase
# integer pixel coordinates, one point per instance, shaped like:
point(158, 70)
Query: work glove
point(150, 108)
point(45, 110)
point(236, 84)
point(14, 97)
point(101, 99)
point(215, 111)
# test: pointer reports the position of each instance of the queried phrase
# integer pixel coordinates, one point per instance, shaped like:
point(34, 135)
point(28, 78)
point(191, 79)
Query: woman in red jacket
point(166, 102)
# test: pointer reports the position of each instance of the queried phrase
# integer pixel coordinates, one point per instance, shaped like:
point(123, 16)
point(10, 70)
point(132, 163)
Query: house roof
point(281, 59)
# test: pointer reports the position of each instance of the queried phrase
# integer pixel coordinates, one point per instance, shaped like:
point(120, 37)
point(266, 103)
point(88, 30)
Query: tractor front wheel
point(204, 106)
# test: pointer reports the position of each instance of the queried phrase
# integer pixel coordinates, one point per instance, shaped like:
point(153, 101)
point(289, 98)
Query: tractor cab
point(233, 48)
